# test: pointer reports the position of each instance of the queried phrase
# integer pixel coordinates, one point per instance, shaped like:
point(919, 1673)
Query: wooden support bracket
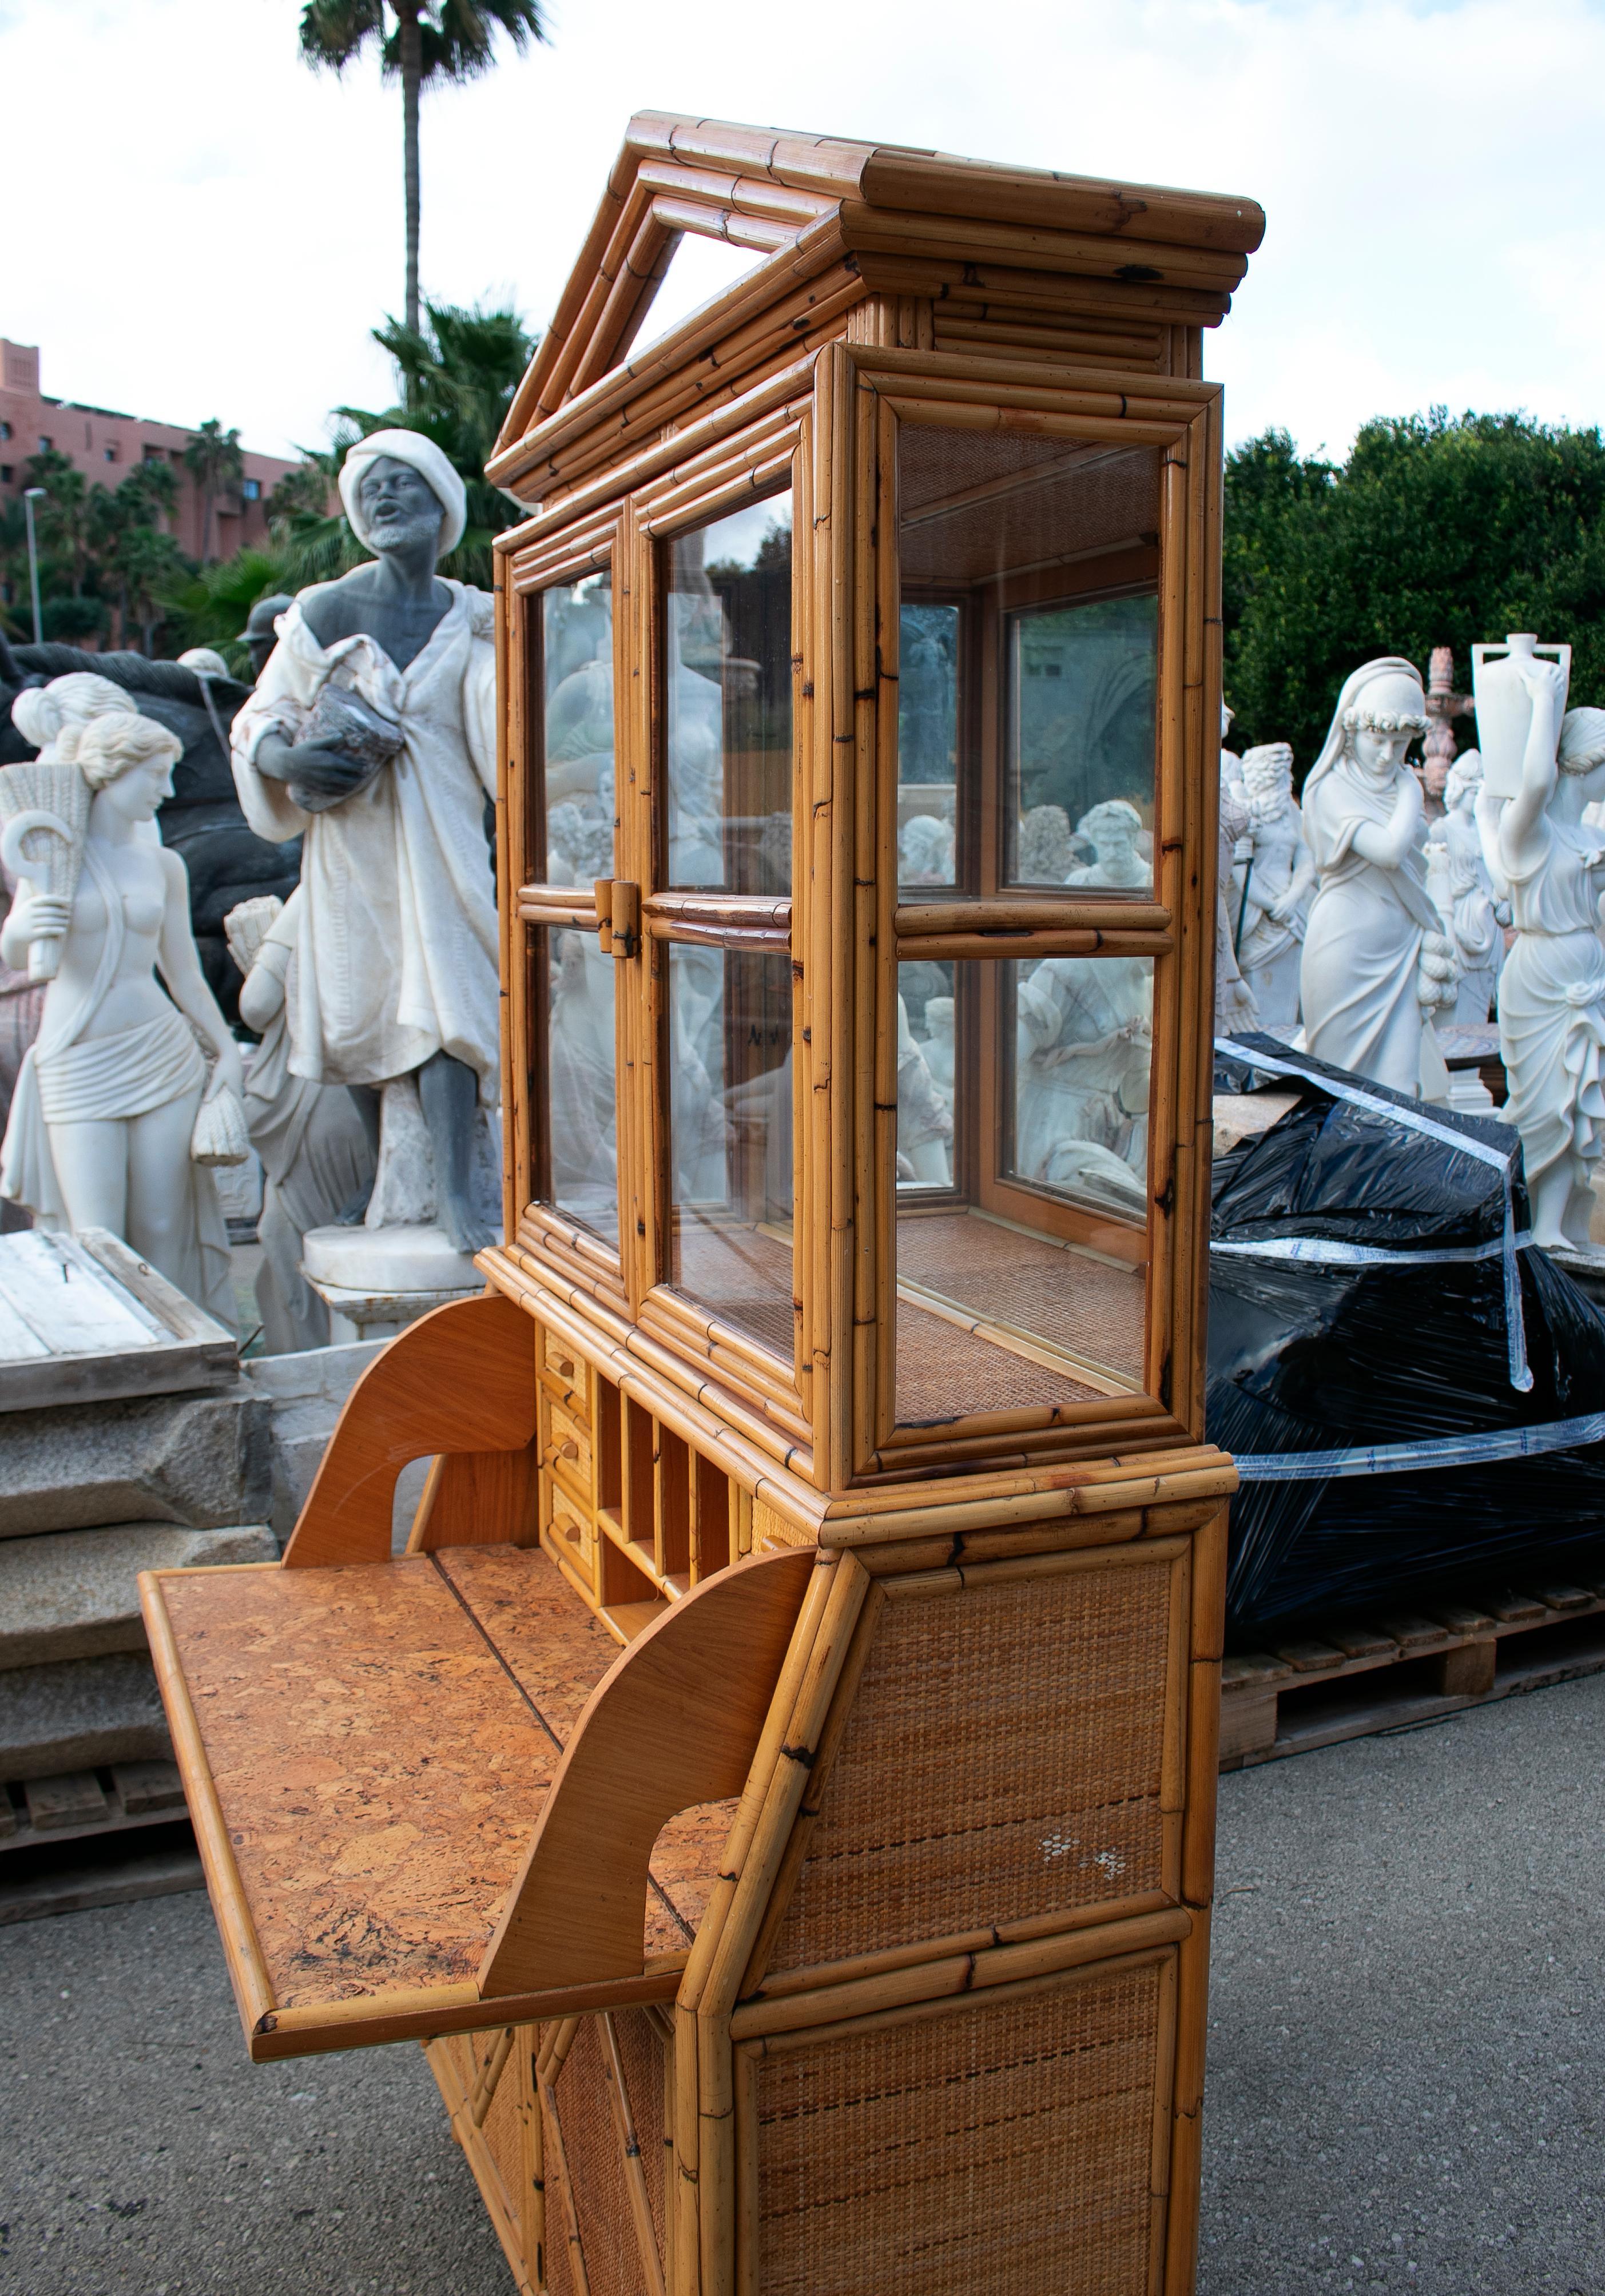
point(459, 1380)
point(674, 1722)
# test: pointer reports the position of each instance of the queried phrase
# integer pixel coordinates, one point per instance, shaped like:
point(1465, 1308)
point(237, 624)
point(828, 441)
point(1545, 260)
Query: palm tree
point(450, 40)
point(65, 518)
point(215, 460)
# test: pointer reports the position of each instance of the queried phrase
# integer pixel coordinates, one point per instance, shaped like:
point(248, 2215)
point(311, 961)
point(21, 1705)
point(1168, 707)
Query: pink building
point(105, 446)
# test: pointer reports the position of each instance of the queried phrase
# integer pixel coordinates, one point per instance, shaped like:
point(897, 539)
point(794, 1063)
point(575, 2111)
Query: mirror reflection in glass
point(727, 684)
point(576, 829)
point(1082, 683)
point(1028, 660)
point(730, 1136)
point(928, 744)
point(1022, 1181)
point(582, 1111)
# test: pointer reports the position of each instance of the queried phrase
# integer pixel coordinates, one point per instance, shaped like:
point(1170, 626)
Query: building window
point(5, 431)
point(153, 454)
point(46, 445)
point(251, 490)
point(6, 474)
point(110, 453)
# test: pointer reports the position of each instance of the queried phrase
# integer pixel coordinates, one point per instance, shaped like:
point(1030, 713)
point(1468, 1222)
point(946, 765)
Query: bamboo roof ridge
point(833, 218)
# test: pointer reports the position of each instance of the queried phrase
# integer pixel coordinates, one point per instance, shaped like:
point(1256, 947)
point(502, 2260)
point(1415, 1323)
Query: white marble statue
point(315, 1149)
point(105, 1116)
point(924, 1121)
point(1276, 885)
point(1551, 993)
point(1047, 852)
point(371, 734)
point(1236, 1010)
point(44, 714)
point(1462, 887)
point(925, 851)
point(1083, 1053)
point(1377, 962)
point(939, 1049)
point(582, 1070)
point(1113, 829)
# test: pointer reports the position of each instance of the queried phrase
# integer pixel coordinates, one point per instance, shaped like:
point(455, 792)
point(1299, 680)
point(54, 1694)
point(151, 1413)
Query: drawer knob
point(568, 1450)
point(565, 1366)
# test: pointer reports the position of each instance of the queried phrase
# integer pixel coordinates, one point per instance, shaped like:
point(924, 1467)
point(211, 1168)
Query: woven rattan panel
point(1001, 1759)
point(596, 2168)
point(995, 2151)
point(642, 2054)
point(503, 2128)
point(995, 1274)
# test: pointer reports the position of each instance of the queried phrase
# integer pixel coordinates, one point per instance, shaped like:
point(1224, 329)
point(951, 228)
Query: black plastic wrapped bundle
point(1414, 1393)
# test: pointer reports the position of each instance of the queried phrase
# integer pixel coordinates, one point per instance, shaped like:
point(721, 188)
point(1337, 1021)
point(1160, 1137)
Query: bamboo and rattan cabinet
point(777, 1783)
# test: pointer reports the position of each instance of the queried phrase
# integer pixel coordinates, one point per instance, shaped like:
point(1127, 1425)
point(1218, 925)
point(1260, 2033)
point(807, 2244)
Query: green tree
point(215, 461)
point(136, 560)
point(420, 42)
point(1436, 531)
point(64, 521)
point(208, 605)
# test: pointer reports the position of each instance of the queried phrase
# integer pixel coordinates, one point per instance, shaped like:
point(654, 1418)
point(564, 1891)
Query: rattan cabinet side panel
point(1002, 2148)
point(1004, 1761)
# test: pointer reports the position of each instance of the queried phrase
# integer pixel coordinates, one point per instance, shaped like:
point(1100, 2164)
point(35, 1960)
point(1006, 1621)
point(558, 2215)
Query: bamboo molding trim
point(669, 456)
point(1015, 1570)
point(1001, 941)
point(248, 1971)
point(1004, 287)
point(1028, 912)
point(814, 1976)
point(753, 481)
point(1029, 420)
point(743, 912)
point(587, 548)
point(1110, 391)
point(944, 2006)
point(961, 1975)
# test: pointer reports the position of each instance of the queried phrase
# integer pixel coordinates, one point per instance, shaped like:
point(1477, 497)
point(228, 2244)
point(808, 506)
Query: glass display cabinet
point(777, 1783)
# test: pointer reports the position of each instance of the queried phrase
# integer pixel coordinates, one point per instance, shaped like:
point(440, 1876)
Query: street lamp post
point(31, 494)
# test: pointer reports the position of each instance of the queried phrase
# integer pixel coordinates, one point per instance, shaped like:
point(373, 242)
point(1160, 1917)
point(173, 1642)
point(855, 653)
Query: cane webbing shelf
point(777, 1783)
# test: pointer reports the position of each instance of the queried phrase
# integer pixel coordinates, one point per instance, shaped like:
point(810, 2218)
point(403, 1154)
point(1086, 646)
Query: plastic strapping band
point(1436, 1451)
point(1326, 1252)
point(1502, 1160)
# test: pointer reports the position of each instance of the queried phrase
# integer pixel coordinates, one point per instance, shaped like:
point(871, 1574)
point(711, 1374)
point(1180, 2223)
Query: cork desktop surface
point(381, 1738)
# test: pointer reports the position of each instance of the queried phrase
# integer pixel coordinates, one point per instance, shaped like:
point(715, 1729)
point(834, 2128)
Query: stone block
point(204, 1461)
point(81, 1714)
point(74, 1594)
point(306, 1393)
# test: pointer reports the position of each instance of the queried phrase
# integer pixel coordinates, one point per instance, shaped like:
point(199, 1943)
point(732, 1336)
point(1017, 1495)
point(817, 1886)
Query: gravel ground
point(1407, 2061)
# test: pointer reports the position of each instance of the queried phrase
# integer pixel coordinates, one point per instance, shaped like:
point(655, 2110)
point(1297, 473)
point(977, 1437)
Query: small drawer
point(565, 1369)
point(573, 1532)
point(567, 1447)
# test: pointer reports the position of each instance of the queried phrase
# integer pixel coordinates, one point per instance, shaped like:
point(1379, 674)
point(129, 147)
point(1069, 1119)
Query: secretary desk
point(777, 1782)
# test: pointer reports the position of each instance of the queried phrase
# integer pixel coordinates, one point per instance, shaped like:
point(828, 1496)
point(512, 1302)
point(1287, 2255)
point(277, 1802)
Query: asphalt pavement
point(1407, 2061)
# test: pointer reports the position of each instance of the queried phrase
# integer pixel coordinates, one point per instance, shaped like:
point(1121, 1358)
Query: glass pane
point(731, 1138)
point(1081, 744)
point(576, 826)
point(926, 1021)
point(581, 1101)
point(1021, 1281)
point(1044, 553)
point(728, 688)
point(928, 744)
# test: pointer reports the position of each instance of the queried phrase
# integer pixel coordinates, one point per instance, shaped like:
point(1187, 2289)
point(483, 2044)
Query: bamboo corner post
point(785, 1755)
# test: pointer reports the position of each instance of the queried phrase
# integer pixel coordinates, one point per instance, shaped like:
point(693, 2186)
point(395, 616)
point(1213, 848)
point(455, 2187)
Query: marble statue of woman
point(1463, 888)
point(583, 1116)
point(104, 1112)
point(1236, 1009)
point(925, 851)
point(396, 947)
point(1083, 1054)
point(1278, 883)
point(925, 1121)
point(43, 714)
point(1377, 962)
point(1551, 994)
point(314, 1146)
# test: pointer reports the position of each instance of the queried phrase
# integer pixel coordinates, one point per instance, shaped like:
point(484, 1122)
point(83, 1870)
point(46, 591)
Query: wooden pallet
point(86, 1839)
point(1355, 1680)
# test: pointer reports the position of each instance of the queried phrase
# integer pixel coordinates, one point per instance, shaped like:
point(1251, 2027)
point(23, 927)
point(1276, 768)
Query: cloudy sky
point(197, 225)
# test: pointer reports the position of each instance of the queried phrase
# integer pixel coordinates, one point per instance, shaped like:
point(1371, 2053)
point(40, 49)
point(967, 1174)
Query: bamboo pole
point(490, 2077)
point(634, 2178)
point(1003, 285)
point(558, 2158)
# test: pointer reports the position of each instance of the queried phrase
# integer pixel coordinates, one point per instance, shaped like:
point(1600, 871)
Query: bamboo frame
point(671, 1442)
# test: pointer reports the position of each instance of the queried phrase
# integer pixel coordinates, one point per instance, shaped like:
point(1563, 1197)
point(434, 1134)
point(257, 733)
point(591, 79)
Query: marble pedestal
point(377, 1280)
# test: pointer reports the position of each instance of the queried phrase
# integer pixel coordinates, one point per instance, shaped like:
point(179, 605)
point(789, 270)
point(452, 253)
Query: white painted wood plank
point(68, 1301)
